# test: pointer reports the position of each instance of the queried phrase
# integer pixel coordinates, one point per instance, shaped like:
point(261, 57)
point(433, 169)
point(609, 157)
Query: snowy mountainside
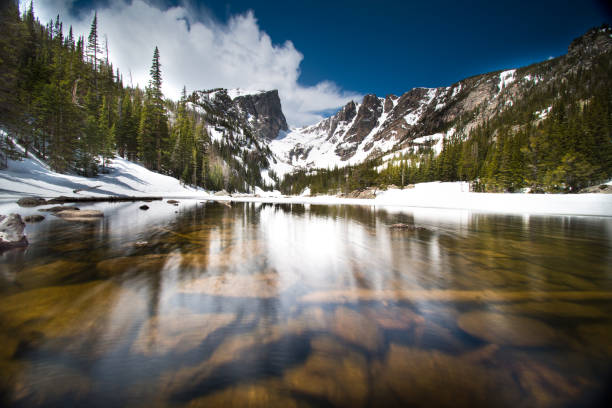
point(377, 126)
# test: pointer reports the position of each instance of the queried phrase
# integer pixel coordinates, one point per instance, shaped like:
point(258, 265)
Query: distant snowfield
point(456, 196)
point(33, 178)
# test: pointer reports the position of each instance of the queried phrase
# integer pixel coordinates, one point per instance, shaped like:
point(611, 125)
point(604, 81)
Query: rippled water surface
point(296, 305)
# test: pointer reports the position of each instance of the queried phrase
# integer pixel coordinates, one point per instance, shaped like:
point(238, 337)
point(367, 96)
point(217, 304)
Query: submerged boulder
point(11, 231)
point(59, 208)
point(34, 218)
point(80, 215)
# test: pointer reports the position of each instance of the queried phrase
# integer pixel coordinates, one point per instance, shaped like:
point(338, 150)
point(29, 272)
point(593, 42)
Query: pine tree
point(153, 134)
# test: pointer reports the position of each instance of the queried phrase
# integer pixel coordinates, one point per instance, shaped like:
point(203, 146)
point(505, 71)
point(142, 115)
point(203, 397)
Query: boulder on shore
point(31, 201)
point(222, 193)
point(11, 231)
point(368, 193)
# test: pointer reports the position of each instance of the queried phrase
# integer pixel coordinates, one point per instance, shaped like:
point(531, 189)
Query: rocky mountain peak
point(595, 41)
point(263, 111)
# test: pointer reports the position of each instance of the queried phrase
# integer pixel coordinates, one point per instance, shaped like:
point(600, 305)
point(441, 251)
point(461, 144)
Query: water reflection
point(292, 305)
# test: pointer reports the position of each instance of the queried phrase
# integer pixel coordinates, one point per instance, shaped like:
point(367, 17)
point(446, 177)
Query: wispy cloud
point(201, 53)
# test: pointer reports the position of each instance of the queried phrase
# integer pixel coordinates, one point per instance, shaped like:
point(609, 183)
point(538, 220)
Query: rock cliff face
point(378, 125)
point(263, 111)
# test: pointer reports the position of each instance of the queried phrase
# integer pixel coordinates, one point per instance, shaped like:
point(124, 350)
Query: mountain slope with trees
point(63, 101)
point(547, 127)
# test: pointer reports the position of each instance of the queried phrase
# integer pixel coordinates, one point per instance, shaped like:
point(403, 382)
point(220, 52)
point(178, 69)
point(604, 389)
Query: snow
point(438, 137)
point(234, 93)
point(412, 118)
point(215, 135)
point(456, 90)
point(543, 113)
point(262, 193)
point(442, 197)
point(506, 78)
point(32, 177)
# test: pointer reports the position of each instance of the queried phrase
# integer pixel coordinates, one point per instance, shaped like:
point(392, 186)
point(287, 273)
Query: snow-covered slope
point(32, 177)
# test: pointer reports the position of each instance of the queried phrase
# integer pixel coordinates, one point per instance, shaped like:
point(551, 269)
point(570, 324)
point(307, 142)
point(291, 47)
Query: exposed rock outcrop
point(263, 111)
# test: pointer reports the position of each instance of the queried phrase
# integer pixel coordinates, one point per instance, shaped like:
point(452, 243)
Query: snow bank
point(448, 196)
point(32, 177)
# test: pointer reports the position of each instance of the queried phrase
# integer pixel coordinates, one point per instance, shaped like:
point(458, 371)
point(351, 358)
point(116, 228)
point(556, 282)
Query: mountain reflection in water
point(304, 305)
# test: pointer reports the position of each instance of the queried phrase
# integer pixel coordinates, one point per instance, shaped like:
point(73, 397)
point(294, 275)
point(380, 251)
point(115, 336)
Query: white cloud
point(202, 54)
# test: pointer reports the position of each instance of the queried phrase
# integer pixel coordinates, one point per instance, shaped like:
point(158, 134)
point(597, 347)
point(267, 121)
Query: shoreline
point(594, 205)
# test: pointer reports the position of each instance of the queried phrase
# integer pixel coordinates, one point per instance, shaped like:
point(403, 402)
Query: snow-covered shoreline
point(33, 178)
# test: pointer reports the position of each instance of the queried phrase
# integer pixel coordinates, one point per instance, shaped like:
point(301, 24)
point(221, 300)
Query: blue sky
point(334, 51)
point(392, 46)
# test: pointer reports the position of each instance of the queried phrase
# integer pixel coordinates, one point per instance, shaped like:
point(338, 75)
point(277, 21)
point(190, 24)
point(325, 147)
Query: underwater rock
point(333, 373)
point(178, 333)
point(33, 218)
point(122, 264)
point(68, 317)
point(173, 202)
point(546, 387)
point(264, 394)
point(31, 201)
point(597, 337)
point(144, 207)
point(11, 232)
point(60, 384)
point(9, 346)
point(255, 285)
point(507, 329)
point(233, 350)
point(59, 208)
point(80, 215)
point(390, 318)
point(423, 378)
point(55, 272)
point(356, 328)
point(554, 308)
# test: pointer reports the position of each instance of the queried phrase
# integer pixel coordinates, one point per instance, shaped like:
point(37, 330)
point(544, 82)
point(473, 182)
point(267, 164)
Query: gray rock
point(11, 231)
point(58, 208)
point(31, 201)
point(222, 193)
point(265, 112)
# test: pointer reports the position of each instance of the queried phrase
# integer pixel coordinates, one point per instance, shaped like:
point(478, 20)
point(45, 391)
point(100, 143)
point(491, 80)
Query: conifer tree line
point(62, 100)
point(556, 139)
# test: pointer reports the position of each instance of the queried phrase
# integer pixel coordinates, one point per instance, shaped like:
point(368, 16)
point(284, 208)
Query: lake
point(295, 305)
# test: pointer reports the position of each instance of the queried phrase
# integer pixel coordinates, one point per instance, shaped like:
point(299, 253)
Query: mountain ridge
point(377, 125)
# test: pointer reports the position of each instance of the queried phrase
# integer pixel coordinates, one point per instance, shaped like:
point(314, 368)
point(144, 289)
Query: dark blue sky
point(384, 47)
